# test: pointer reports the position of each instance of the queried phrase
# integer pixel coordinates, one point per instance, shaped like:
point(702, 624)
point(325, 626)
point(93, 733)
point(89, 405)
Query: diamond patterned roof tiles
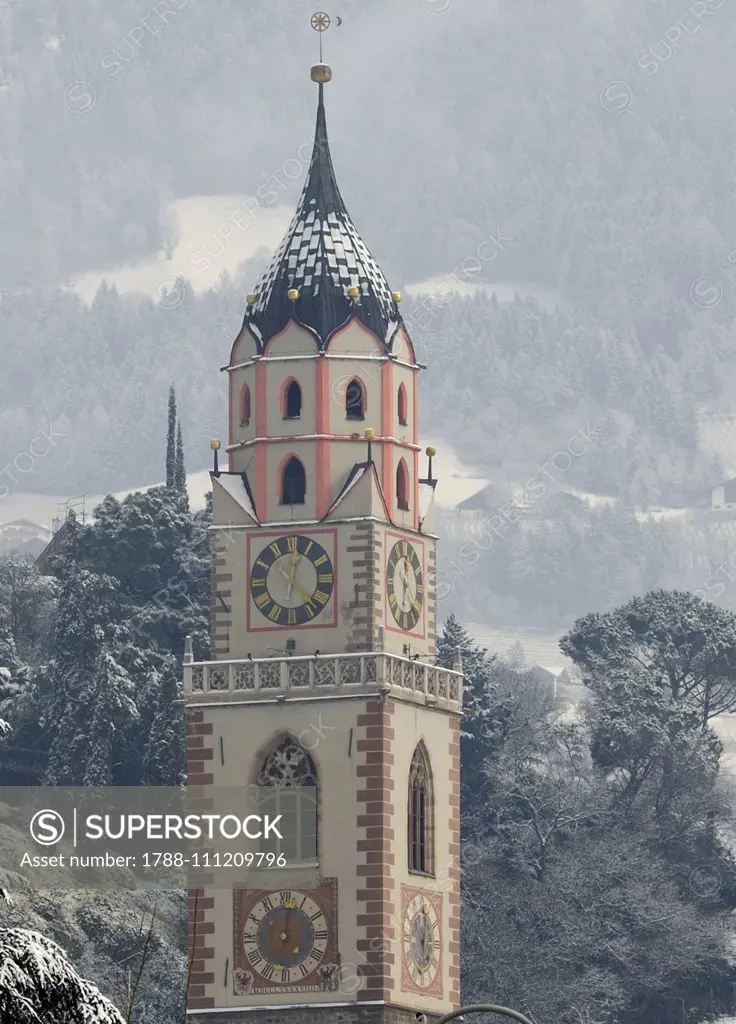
point(322, 255)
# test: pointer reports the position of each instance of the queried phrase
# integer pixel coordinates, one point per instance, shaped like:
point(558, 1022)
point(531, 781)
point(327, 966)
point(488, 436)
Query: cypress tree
point(171, 441)
point(180, 473)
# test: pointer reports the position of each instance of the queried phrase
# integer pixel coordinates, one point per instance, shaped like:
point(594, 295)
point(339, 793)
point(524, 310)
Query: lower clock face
point(285, 937)
point(405, 584)
point(292, 580)
point(421, 940)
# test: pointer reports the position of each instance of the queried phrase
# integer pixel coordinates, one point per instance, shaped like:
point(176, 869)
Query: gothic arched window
point(288, 786)
point(402, 486)
point(293, 483)
point(402, 405)
point(292, 401)
point(355, 400)
point(421, 813)
point(244, 405)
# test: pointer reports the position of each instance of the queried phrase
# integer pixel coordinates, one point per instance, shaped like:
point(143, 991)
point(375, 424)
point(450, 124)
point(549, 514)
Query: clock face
point(421, 941)
point(285, 937)
point(292, 580)
point(405, 584)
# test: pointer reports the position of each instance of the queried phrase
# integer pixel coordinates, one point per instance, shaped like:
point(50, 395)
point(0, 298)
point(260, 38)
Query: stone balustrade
point(322, 674)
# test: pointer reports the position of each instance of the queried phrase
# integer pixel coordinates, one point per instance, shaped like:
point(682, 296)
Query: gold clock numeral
point(292, 544)
point(262, 600)
point(321, 560)
point(292, 616)
point(275, 548)
point(263, 565)
point(274, 613)
point(326, 578)
point(320, 597)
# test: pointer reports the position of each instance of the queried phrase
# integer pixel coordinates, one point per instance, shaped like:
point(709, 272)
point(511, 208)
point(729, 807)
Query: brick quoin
point(375, 814)
point(454, 894)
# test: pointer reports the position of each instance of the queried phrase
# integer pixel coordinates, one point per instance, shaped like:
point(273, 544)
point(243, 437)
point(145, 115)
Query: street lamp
point(484, 1008)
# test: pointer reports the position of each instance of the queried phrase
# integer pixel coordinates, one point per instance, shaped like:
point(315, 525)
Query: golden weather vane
point(320, 22)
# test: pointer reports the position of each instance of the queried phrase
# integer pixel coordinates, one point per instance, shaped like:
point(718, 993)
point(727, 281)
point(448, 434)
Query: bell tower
point(324, 689)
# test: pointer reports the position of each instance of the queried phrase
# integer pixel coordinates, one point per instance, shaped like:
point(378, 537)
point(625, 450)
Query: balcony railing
point(334, 673)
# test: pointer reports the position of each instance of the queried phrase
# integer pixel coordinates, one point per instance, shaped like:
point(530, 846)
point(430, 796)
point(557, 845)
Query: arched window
point(402, 486)
point(402, 405)
point(355, 400)
point(288, 786)
point(244, 405)
point(293, 483)
point(292, 401)
point(421, 813)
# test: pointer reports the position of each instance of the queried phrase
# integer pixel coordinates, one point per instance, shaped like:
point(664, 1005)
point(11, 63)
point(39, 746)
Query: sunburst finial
point(320, 22)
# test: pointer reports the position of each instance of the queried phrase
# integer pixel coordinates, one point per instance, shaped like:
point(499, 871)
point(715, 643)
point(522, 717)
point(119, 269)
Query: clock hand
point(292, 582)
point(295, 559)
point(405, 584)
point(288, 579)
point(302, 592)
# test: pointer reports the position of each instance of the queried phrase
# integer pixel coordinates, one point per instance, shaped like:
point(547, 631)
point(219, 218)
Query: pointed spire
point(322, 273)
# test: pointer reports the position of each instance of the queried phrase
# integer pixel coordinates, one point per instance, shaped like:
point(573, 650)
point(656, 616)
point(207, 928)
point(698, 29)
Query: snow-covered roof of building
point(554, 670)
point(236, 485)
point(426, 497)
point(322, 255)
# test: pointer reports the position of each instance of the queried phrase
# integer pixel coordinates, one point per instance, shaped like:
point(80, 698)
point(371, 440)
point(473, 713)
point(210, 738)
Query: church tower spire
point(322, 257)
point(324, 691)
